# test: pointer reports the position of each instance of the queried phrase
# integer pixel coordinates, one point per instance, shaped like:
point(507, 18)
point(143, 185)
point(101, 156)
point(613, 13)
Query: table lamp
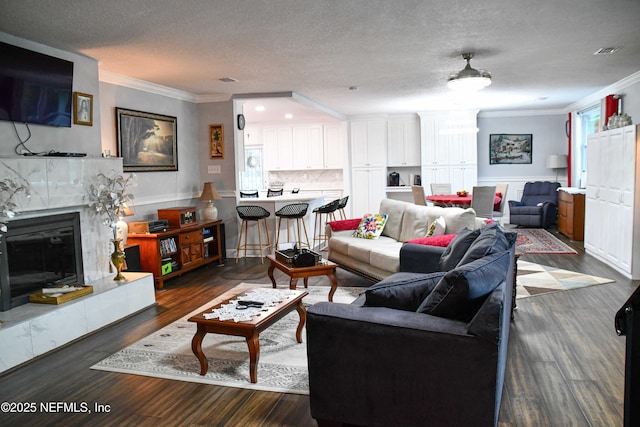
point(557, 161)
point(209, 194)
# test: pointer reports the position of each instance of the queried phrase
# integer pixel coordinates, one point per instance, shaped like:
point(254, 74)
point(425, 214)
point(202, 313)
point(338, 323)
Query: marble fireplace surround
point(58, 186)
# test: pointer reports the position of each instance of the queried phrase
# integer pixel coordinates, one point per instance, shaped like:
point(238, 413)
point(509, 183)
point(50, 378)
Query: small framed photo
point(147, 142)
point(216, 141)
point(82, 109)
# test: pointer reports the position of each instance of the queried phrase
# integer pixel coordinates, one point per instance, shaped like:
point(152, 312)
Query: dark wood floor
point(565, 362)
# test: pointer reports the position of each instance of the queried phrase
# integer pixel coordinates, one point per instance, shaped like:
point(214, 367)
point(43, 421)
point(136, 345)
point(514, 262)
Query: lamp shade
point(557, 161)
point(209, 192)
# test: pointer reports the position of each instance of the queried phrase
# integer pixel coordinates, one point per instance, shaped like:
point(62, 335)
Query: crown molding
point(130, 82)
point(595, 98)
point(522, 113)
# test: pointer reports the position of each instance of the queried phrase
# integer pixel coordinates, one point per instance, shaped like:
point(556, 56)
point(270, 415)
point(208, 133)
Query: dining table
point(453, 200)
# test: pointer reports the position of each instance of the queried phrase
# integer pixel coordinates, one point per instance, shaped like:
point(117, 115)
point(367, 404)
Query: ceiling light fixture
point(469, 79)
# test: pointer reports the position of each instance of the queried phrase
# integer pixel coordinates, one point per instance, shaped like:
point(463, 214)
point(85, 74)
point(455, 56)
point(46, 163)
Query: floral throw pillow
point(371, 226)
point(437, 227)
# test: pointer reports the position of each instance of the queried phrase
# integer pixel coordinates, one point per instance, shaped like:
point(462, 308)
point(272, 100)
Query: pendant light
point(469, 79)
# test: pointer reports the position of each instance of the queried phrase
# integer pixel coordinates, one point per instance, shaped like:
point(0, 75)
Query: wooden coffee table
point(249, 329)
point(324, 268)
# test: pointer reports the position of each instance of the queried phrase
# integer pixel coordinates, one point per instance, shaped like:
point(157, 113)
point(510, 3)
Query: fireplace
point(37, 253)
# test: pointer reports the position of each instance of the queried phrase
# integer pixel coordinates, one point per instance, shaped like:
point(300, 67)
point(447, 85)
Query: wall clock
point(241, 121)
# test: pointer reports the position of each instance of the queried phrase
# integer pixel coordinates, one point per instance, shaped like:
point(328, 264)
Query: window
point(588, 123)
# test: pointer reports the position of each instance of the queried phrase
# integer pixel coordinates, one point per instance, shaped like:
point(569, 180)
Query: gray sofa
point(379, 258)
point(418, 348)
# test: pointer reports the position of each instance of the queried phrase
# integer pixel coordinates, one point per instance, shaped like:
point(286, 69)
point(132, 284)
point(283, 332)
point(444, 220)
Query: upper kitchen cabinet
point(403, 142)
point(278, 147)
point(333, 147)
point(369, 143)
point(449, 141)
point(308, 147)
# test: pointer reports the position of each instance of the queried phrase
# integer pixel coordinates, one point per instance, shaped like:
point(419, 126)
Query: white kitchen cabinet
point(278, 148)
point(308, 147)
point(612, 220)
point(449, 141)
point(369, 143)
point(333, 147)
point(368, 190)
point(403, 142)
point(463, 177)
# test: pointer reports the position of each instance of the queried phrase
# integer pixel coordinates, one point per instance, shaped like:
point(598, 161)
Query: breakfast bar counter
point(273, 204)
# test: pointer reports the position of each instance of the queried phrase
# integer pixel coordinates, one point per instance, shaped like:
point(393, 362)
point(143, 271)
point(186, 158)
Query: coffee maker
point(394, 179)
point(415, 179)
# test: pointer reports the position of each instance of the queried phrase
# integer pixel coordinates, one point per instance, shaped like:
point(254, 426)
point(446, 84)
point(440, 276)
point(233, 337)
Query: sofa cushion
point(345, 224)
point(416, 221)
point(371, 226)
point(394, 209)
point(461, 291)
point(458, 219)
point(457, 248)
point(490, 240)
point(442, 241)
point(402, 291)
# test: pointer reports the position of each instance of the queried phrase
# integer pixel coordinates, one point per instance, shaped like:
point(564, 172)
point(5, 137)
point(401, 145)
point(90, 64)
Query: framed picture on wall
point(147, 142)
point(510, 148)
point(82, 109)
point(216, 141)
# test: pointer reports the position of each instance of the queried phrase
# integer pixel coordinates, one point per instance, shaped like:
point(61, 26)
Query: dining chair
point(419, 197)
point(482, 200)
point(501, 188)
point(443, 188)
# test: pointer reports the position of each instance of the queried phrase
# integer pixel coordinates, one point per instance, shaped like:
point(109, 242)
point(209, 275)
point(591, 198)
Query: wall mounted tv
point(35, 88)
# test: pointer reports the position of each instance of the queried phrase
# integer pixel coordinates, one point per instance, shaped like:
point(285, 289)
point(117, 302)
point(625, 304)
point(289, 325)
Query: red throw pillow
point(496, 205)
point(345, 224)
point(442, 241)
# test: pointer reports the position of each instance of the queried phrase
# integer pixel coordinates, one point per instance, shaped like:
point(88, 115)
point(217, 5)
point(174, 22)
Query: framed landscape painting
point(507, 148)
point(147, 142)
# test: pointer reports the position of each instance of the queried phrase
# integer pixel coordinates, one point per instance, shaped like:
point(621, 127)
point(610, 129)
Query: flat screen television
point(34, 87)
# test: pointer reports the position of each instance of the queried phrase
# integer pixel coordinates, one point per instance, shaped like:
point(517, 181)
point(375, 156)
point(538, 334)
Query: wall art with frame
point(510, 148)
point(147, 142)
point(82, 109)
point(216, 141)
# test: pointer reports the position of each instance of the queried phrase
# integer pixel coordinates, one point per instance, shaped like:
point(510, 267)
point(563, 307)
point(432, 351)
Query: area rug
point(536, 279)
point(282, 366)
point(540, 241)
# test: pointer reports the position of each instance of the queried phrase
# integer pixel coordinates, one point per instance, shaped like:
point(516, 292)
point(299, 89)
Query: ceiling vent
point(228, 79)
point(606, 50)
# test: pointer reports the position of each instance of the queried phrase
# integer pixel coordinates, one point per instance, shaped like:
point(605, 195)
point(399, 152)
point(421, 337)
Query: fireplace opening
point(38, 253)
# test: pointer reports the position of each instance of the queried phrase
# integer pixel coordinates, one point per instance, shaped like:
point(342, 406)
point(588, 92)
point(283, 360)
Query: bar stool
point(273, 193)
point(247, 214)
point(341, 205)
point(249, 194)
point(295, 211)
point(329, 210)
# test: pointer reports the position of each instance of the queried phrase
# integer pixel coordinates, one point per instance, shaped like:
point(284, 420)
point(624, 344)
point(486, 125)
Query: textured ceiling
point(399, 53)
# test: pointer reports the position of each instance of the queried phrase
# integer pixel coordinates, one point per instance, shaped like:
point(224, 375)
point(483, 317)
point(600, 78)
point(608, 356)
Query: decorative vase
point(117, 258)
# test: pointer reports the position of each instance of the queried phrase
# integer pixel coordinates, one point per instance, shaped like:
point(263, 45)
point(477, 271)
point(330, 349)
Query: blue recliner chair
point(538, 207)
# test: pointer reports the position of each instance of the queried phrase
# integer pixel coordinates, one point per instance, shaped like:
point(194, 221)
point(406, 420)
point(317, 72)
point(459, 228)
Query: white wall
point(548, 138)
point(156, 190)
